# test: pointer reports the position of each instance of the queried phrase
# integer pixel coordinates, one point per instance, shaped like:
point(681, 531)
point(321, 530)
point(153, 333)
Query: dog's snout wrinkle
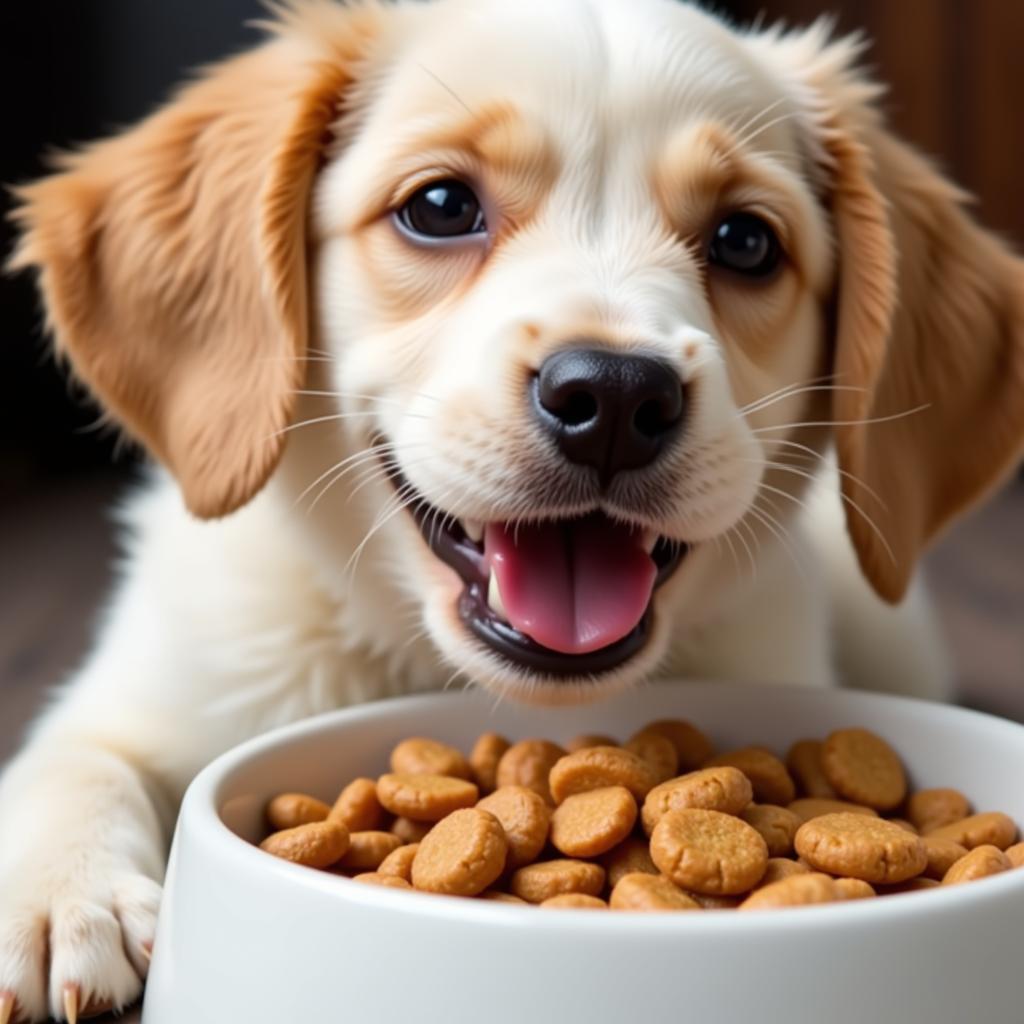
point(608, 411)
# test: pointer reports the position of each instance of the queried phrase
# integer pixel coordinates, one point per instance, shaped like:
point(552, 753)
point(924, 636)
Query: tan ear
point(929, 327)
point(172, 258)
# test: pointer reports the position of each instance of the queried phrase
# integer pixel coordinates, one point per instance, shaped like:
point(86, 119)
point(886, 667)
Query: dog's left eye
point(746, 244)
point(443, 209)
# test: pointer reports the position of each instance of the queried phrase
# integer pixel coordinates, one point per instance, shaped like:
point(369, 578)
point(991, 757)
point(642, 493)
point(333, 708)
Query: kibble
point(528, 763)
point(768, 776)
point(358, 808)
point(289, 810)
point(589, 824)
point(724, 789)
point(658, 823)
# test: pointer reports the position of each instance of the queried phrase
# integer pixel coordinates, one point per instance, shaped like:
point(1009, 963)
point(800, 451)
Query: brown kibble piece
point(496, 896)
point(807, 808)
point(425, 797)
point(854, 889)
point(727, 834)
point(724, 789)
point(399, 862)
point(658, 751)
point(795, 891)
point(318, 844)
point(358, 808)
point(289, 810)
point(693, 748)
point(903, 824)
point(536, 883)
point(525, 817)
point(708, 851)
point(483, 760)
point(993, 828)
point(419, 756)
point(863, 768)
point(942, 855)
point(528, 763)
point(591, 823)
point(367, 850)
point(641, 891)
point(981, 862)
point(918, 884)
point(590, 739)
point(776, 824)
point(574, 901)
point(631, 856)
point(929, 809)
point(376, 878)
point(597, 768)
point(779, 868)
point(871, 849)
point(410, 831)
point(461, 855)
point(804, 763)
point(771, 782)
point(708, 902)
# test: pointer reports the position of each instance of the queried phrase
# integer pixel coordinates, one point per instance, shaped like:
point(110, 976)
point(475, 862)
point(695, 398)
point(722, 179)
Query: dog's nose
point(612, 412)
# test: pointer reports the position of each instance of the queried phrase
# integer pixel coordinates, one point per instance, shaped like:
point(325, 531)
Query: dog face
point(591, 279)
point(556, 291)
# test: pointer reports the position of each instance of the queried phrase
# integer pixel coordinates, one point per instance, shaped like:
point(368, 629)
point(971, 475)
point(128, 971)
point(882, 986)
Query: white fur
point(221, 630)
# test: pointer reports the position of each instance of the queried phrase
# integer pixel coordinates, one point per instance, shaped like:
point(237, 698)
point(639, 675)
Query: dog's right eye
point(443, 209)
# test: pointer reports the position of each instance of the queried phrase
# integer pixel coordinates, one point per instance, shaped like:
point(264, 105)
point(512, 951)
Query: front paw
point(76, 933)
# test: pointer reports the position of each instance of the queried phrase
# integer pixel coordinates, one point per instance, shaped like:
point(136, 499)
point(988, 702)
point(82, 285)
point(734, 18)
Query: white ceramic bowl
point(247, 939)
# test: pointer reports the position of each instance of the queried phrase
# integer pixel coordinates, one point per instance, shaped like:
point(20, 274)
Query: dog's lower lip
point(448, 541)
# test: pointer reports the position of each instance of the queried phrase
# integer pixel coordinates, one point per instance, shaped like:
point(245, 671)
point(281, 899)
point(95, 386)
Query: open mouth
point(563, 597)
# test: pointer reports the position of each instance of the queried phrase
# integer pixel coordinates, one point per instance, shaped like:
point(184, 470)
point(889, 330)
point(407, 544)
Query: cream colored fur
point(256, 321)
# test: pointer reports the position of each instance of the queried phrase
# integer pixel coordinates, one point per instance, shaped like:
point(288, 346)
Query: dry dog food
point(660, 823)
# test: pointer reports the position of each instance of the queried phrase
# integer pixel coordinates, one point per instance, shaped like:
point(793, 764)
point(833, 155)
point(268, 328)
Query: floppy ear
point(172, 258)
point(929, 327)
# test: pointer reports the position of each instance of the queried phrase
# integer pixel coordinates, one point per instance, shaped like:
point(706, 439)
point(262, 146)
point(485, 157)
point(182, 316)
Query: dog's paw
point(75, 936)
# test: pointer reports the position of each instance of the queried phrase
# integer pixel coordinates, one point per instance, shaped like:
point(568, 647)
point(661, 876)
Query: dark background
point(71, 70)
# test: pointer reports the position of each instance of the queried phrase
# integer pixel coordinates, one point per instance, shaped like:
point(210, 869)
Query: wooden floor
point(57, 549)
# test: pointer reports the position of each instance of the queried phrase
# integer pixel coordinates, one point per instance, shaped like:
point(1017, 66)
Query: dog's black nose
point(612, 412)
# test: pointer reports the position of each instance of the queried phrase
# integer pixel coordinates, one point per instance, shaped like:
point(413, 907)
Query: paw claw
point(71, 1004)
point(6, 1007)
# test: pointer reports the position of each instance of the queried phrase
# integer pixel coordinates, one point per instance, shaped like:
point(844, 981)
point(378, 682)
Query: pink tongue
point(572, 587)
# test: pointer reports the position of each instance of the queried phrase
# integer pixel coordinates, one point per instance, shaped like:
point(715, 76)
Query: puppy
point(492, 343)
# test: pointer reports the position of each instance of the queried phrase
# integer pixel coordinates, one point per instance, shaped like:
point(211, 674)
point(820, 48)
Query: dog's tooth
point(474, 530)
point(650, 538)
point(494, 597)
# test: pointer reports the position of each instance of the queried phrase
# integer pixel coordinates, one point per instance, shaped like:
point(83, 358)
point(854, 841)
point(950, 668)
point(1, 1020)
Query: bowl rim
point(201, 811)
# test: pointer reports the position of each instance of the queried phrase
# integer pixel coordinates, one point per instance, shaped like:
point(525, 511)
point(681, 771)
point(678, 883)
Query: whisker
point(746, 547)
point(363, 455)
point(845, 474)
point(751, 121)
point(784, 494)
point(855, 506)
point(778, 531)
point(323, 419)
point(747, 140)
point(814, 477)
point(792, 392)
point(366, 397)
point(845, 423)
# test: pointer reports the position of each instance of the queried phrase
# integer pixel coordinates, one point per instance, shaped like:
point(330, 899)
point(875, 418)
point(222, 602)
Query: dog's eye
point(746, 244)
point(443, 209)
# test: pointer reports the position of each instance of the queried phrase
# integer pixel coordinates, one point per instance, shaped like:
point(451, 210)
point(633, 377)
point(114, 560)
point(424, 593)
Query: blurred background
point(75, 69)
